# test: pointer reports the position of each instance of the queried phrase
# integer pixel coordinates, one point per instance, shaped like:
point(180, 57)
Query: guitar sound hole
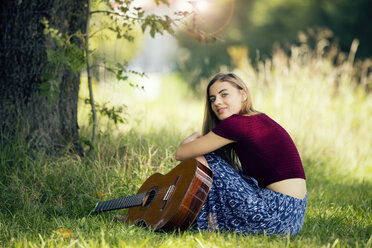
point(150, 196)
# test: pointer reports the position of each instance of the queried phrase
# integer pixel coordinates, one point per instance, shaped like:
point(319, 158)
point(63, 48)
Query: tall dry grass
point(322, 98)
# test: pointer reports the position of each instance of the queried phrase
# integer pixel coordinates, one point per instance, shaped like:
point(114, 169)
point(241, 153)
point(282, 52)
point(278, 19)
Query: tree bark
point(47, 126)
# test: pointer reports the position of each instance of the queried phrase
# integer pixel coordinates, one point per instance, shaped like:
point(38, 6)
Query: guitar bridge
point(169, 193)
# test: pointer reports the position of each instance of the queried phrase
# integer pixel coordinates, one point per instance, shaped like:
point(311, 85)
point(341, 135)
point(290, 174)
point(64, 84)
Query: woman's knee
point(202, 160)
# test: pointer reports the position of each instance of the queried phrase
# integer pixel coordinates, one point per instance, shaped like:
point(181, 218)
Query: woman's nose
point(217, 101)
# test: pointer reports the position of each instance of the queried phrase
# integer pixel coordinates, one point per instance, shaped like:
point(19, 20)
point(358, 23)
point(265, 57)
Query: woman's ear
point(244, 95)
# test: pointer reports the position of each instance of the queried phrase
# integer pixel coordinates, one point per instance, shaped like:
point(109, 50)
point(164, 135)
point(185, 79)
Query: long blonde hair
point(211, 120)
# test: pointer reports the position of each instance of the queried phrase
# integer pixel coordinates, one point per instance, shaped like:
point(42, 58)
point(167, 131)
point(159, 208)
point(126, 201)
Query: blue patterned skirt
point(238, 204)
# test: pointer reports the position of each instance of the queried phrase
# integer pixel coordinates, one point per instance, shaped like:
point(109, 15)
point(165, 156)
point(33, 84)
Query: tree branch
point(103, 11)
point(94, 112)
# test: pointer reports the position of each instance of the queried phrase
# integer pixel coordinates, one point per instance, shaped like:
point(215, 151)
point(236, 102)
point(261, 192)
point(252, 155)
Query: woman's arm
point(197, 145)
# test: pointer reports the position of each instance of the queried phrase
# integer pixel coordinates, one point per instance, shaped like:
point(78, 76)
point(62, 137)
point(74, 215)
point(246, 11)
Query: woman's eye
point(224, 94)
point(212, 100)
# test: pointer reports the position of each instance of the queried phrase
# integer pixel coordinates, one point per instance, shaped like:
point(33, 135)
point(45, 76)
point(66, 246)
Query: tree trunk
point(49, 126)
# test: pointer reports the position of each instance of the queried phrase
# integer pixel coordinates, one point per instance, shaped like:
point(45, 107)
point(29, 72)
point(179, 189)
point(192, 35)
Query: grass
point(47, 202)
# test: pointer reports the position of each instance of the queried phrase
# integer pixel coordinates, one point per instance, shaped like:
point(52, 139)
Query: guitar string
point(116, 203)
point(108, 205)
point(112, 204)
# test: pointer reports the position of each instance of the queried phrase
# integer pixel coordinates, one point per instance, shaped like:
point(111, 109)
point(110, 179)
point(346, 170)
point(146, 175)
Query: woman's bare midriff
point(295, 187)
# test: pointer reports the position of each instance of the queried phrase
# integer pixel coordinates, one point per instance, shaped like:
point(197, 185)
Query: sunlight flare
point(202, 5)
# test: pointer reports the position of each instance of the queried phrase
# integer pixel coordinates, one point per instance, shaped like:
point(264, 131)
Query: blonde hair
point(211, 120)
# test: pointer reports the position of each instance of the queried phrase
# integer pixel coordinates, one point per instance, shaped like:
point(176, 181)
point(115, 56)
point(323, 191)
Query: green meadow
point(325, 106)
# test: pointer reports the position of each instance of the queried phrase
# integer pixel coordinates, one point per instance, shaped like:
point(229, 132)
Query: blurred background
point(257, 28)
point(307, 63)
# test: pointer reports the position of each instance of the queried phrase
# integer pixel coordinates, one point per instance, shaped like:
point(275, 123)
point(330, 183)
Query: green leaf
point(143, 27)
point(152, 32)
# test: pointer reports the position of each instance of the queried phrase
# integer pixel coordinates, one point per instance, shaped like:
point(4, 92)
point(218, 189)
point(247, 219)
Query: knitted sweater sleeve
point(229, 128)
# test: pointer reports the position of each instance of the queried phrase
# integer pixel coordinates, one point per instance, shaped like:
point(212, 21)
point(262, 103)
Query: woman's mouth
point(221, 110)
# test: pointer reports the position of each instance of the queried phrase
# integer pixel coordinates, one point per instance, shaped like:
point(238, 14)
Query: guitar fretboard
point(120, 203)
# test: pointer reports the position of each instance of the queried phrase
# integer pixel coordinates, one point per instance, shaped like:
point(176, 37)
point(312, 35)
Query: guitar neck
point(120, 203)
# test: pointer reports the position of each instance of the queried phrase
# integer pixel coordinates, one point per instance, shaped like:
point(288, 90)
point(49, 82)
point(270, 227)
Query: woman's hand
point(192, 137)
point(196, 145)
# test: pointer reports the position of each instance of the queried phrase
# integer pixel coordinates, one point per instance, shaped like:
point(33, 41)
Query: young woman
point(266, 191)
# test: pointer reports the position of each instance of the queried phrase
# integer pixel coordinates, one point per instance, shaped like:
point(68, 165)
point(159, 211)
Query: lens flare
point(202, 5)
point(205, 6)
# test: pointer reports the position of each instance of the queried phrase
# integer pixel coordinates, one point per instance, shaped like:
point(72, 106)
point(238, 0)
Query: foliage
point(62, 55)
point(113, 113)
point(124, 16)
point(259, 25)
point(62, 51)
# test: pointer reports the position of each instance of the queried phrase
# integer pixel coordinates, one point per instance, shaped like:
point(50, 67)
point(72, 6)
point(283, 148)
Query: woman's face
point(225, 99)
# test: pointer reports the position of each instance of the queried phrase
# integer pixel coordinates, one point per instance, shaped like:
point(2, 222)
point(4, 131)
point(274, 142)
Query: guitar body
point(174, 200)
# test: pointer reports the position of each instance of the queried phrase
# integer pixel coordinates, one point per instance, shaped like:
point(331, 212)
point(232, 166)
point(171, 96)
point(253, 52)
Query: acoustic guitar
point(167, 202)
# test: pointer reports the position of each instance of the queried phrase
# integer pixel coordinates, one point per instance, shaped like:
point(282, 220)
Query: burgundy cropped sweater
point(265, 150)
